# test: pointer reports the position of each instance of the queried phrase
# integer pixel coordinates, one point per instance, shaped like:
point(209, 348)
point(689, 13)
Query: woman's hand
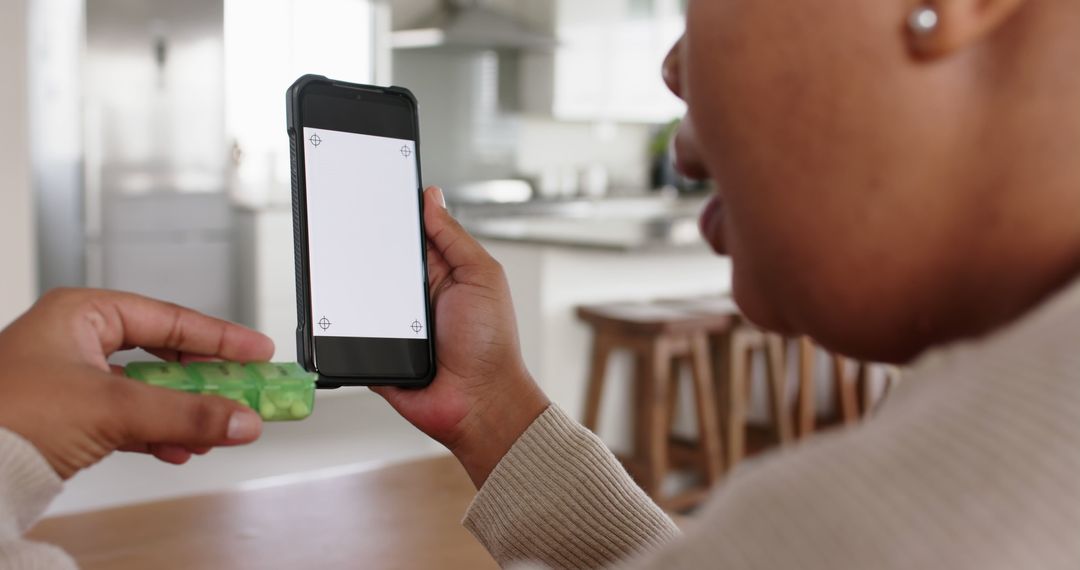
point(58, 392)
point(482, 397)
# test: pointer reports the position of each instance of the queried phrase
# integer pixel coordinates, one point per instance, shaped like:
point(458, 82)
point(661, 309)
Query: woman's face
point(821, 131)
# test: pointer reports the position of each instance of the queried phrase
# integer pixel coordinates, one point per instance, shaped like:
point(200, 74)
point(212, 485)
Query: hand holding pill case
point(277, 391)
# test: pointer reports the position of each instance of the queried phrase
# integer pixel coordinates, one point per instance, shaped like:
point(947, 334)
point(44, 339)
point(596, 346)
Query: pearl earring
point(923, 21)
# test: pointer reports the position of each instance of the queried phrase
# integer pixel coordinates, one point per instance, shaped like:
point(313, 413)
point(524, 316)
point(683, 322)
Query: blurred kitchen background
point(145, 150)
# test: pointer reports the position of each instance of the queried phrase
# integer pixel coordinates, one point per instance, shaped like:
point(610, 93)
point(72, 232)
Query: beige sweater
point(974, 462)
point(27, 485)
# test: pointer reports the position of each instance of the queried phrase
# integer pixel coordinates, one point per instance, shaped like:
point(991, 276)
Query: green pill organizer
point(278, 391)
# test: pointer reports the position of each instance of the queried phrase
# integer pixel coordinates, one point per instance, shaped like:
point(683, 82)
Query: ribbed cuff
point(560, 497)
point(27, 484)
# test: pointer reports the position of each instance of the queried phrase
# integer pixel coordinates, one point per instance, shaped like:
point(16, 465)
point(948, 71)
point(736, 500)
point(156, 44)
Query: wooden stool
point(854, 399)
point(662, 339)
point(735, 348)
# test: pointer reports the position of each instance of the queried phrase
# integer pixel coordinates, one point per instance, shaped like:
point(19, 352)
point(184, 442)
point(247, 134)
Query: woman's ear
point(937, 28)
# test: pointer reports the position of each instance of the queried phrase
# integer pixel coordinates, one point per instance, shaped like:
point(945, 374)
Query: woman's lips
point(689, 169)
point(711, 223)
point(687, 161)
point(685, 154)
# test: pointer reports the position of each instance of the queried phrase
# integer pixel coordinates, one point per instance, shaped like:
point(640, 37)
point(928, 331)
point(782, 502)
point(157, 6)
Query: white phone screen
point(364, 242)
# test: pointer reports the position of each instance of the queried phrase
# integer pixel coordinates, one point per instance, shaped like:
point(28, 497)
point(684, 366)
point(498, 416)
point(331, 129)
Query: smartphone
point(362, 304)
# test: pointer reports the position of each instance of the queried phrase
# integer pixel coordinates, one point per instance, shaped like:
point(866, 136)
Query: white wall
point(17, 267)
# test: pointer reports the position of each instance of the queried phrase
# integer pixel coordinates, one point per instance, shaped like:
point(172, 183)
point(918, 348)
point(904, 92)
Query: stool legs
point(675, 391)
point(658, 361)
point(654, 384)
point(705, 398)
point(775, 356)
point(866, 396)
point(850, 386)
point(731, 380)
point(806, 411)
point(597, 374)
point(734, 374)
point(847, 397)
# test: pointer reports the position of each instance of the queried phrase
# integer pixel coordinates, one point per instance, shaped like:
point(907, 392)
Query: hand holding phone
point(483, 397)
point(363, 316)
point(348, 206)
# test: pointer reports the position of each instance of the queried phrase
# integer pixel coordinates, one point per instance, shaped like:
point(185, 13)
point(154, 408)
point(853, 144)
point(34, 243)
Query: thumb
point(447, 236)
point(150, 414)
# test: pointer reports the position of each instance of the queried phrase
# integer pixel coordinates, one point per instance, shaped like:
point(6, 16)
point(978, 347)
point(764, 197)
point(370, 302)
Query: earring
point(923, 21)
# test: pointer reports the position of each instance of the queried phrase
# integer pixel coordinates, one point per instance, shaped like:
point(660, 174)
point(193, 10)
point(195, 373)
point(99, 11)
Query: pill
point(285, 398)
point(267, 410)
point(299, 410)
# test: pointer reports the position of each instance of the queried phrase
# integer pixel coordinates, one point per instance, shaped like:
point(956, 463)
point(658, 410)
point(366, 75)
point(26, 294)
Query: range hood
point(471, 24)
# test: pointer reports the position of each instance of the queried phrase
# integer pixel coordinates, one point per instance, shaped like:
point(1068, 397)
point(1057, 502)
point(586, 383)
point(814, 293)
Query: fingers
point(438, 270)
point(446, 235)
point(181, 357)
point(127, 319)
point(148, 414)
point(385, 392)
point(433, 196)
point(167, 452)
point(175, 454)
point(391, 394)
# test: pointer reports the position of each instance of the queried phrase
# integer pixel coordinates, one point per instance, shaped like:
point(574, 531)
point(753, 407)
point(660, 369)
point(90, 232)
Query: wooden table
point(403, 516)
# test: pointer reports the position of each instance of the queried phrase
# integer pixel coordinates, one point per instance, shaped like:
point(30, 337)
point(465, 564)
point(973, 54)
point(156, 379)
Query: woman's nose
point(671, 68)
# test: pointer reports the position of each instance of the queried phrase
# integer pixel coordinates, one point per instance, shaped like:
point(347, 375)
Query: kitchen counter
point(631, 223)
point(619, 224)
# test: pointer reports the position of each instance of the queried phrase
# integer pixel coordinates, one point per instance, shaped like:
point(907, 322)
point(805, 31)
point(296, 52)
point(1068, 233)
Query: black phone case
point(305, 350)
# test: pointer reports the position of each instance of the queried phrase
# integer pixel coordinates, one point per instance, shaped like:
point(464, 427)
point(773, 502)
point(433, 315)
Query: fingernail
point(439, 195)
point(244, 425)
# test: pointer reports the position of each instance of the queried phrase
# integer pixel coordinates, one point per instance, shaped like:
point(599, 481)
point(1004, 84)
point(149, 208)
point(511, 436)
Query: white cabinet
point(607, 64)
point(169, 245)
